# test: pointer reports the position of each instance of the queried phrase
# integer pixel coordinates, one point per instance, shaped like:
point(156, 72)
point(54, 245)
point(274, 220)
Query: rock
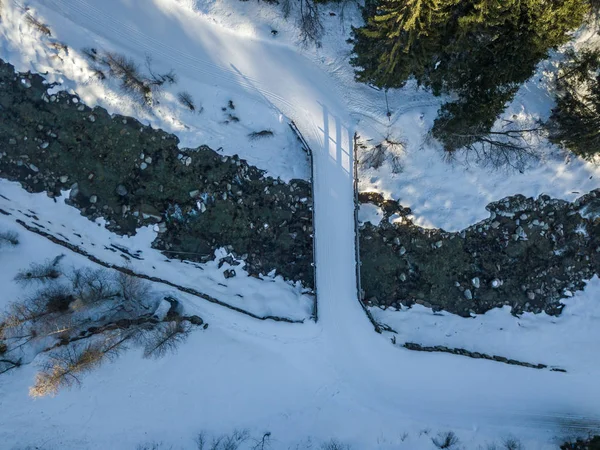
point(143, 166)
point(229, 273)
point(12, 141)
point(496, 283)
point(64, 179)
point(161, 227)
point(148, 160)
point(195, 193)
point(74, 191)
point(92, 118)
point(468, 294)
point(475, 282)
point(495, 224)
point(402, 250)
point(121, 190)
point(93, 199)
point(196, 320)
point(402, 277)
point(34, 167)
point(438, 244)
point(44, 145)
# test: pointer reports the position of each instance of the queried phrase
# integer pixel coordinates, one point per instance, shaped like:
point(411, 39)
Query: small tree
point(65, 367)
point(39, 273)
point(165, 338)
point(9, 239)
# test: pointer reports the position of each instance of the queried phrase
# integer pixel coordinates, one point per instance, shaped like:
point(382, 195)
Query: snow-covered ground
point(271, 297)
point(569, 342)
point(334, 378)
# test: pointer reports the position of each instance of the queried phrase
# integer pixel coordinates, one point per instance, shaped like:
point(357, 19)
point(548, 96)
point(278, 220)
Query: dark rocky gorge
point(133, 175)
point(529, 254)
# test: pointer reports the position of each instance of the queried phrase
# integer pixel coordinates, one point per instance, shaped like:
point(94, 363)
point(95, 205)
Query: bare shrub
point(447, 440)
point(165, 338)
point(59, 46)
point(511, 147)
point(263, 443)
point(387, 150)
point(309, 22)
point(260, 134)
point(36, 24)
point(141, 86)
point(152, 446)
point(200, 440)
point(128, 73)
point(8, 364)
point(186, 100)
point(334, 444)
point(159, 79)
point(230, 441)
point(44, 302)
point(375, 157)
point(93, 286)
point(39, 273)
point(9, 238)
point(91, 53)
point(511, 443)
point(134, 292)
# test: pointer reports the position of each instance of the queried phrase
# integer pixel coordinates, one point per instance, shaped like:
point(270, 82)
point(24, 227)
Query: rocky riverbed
point(133, 175)
point(529, 254)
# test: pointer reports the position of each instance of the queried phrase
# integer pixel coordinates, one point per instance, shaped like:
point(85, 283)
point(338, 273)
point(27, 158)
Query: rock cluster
point(529, 254)
point(133, 175)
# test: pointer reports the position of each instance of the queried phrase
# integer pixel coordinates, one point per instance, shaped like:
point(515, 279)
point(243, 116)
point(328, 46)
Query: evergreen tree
point(482, 50)
point(575, 121)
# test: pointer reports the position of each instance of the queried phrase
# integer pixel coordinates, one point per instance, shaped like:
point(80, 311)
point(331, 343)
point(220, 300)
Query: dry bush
point(9, 238)
point(334, 444)
point(186, 100)
point(93, 286)
point(142, 86)
point(39, 273)
point(59, 46)
point(128, 73)
point(36, 24)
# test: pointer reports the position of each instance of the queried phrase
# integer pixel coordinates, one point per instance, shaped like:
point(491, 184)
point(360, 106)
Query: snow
point(334, 378)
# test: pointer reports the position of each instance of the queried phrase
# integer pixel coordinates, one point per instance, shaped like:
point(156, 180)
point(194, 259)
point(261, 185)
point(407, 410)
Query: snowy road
point(366, 371)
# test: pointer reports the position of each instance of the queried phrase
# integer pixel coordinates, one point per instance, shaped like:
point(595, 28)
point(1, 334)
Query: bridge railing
point(312, 186)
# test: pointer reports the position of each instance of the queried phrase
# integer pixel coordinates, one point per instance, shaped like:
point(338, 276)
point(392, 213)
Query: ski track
point(373, 375)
